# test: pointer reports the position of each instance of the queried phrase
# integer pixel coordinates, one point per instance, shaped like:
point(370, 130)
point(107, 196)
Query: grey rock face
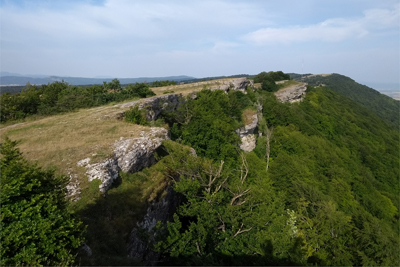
point(246, 134)
point(156, 104)
point(136, 154)
point(248, 143)
point(73, 188)
point(86, 249)
point(106, 171)
point(143, 236)
point(130, 155)
point(236, 84)
point(249, 128)
point(292, 94)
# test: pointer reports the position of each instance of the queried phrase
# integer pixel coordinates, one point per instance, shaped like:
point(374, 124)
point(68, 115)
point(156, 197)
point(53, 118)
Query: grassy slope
point(60, 141)
point(383, 106)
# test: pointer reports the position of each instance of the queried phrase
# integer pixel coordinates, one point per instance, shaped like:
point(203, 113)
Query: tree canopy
point(36, 228)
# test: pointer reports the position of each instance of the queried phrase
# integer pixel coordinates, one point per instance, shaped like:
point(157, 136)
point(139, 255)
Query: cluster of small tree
point(162, 83)
point(268, 79)
point(36, 228)
point(60, 97)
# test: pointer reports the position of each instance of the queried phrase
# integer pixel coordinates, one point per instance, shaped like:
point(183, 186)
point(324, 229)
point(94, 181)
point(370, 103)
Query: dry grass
point(287, 83)
point(61, 141)
point(323, 75)
point(185, 89)
point(247, 115)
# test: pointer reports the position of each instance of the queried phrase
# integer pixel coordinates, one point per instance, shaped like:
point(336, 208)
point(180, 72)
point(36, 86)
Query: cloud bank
point(330, 30)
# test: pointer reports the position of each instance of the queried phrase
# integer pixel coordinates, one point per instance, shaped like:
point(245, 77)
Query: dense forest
point(320, 188)
point(58, 97)
point(383, 106)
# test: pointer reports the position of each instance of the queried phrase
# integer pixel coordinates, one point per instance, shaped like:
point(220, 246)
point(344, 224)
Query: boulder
point(236, 84)
point(130, 155)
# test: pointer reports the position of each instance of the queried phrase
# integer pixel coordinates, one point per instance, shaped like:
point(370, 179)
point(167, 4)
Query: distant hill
point(23, 80)
point(382, 105)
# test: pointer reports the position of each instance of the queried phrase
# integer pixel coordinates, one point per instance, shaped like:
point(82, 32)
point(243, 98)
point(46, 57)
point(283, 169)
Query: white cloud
point(330, 30)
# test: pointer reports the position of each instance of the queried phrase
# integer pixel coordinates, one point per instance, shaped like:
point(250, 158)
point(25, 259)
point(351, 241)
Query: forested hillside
point(328, 197)
point(383, 106)
point(321, 186)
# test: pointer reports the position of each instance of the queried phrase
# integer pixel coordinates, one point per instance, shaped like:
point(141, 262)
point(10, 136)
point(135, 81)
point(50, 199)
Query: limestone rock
point(236, 84)
point(106, 171)
point(86, 249)
point(130, 155)
point(163, 210)
point(292, 94)
point(73, 188)
point(249, 128)
point(247, 136)
point(135, 154)
point(156, 104)
point(248, 143)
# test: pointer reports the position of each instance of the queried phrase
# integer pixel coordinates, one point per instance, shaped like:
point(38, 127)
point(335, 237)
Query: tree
point(230, 215)
point(36, 228)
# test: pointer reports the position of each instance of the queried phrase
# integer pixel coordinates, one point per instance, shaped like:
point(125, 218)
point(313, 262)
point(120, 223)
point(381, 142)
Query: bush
point(140, 89)
point(36, 228)
point(134, 115)
point(269, 85)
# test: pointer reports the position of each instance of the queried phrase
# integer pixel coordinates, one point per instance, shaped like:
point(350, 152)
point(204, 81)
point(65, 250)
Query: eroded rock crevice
point(143, 237)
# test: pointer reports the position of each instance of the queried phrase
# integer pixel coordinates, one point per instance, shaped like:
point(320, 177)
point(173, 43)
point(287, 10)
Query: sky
point(124, 38)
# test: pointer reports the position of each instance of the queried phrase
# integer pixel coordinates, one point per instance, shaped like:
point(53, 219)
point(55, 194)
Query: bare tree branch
point(198, 249)
point(268, 134)
point(242, 231)
point(223, 223)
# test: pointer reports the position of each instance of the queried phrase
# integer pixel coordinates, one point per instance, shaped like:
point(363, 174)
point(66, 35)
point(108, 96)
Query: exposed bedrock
point(247, 136)
point(239, 84)
point(292, 94)
point(130, 155)
point(143, 236)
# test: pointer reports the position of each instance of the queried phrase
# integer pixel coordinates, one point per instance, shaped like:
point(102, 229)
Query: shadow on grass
point(110, 219)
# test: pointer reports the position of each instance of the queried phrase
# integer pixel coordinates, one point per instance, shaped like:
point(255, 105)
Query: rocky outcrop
point(143, 236)
point(246, 134)
point(134, 154)
point(239, 84)
point(291, 94)
point(248, 143)
point(130, 155)
point(107, 171)
point(73, 187)
point(156, 104)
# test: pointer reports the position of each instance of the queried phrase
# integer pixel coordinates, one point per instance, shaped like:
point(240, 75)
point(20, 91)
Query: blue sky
point(124, 38)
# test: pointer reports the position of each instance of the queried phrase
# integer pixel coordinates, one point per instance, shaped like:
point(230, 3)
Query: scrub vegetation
point(320, 188)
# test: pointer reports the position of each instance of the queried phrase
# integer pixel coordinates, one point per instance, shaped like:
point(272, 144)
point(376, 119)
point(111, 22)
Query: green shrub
point(36, 227)
point(134, 115)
